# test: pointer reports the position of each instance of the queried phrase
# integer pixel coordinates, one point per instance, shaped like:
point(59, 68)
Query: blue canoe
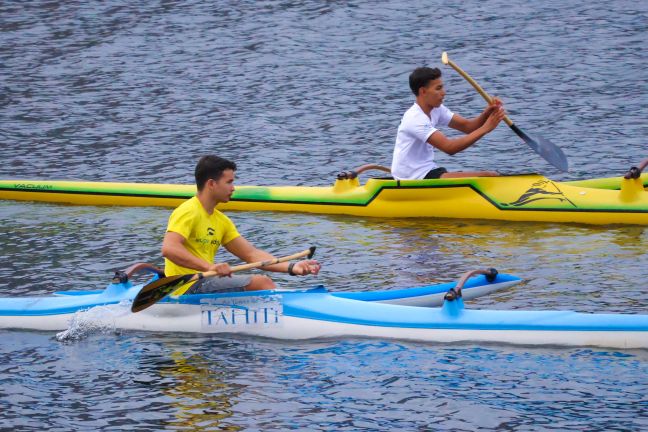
point(317, 313)
point(54, 311)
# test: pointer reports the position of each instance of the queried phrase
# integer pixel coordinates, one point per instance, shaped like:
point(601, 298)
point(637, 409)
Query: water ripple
point(295, 92)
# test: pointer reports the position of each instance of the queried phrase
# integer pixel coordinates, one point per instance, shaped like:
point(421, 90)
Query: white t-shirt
point(413, 156)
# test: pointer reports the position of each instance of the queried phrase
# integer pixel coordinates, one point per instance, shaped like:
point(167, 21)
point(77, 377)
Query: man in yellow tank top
point(196, 230)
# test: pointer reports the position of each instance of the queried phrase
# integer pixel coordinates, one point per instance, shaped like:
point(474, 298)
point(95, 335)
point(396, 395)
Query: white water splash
point(96, 320)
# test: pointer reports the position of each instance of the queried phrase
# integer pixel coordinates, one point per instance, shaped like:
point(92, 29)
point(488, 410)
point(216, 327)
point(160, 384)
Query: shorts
point(219, 284)
point(435, 173)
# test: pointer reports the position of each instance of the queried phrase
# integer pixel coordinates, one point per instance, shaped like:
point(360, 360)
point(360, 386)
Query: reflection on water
point(154, 381)
point(565, 266)
point(199, 392)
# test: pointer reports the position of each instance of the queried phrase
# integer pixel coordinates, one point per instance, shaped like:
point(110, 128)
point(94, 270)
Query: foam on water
point(96, 320)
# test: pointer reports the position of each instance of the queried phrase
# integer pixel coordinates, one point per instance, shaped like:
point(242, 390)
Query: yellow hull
point(515, 198)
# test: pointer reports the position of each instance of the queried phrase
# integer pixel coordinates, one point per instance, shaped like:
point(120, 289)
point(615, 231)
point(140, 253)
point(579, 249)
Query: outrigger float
point(529, 197)
point(317, 313)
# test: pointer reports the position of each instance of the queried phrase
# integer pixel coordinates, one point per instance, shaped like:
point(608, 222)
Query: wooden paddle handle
point(481, 91)
point(305, 253)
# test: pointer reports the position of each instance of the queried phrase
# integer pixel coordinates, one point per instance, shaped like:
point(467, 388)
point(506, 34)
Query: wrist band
point(290, 269)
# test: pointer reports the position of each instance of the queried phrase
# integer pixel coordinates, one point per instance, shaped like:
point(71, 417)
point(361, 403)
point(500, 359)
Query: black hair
point(211, 167)
point(421, 77)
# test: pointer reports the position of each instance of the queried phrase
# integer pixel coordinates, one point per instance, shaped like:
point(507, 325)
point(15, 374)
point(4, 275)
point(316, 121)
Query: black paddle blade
point(157, 290)
point(545, 148)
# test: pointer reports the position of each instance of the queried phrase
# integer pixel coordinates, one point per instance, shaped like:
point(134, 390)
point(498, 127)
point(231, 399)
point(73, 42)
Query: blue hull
point(316, 313)
point(66, 302)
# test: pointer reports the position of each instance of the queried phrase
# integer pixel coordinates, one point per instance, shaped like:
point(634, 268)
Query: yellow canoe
point(528, 197)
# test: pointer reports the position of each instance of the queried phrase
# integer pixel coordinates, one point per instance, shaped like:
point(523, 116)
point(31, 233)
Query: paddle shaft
point(477, 87)
point(305, 253)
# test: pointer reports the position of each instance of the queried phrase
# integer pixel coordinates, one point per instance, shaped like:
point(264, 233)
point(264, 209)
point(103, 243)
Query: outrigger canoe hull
point(316, 313)
point(514, 198)
point(54, 312)
point(321, 315)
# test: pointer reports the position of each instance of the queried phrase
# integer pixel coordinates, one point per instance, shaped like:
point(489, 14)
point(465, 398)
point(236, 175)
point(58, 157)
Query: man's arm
point(470, 125)
point(245, 251)
point(248, 253)
point(173, 248)
point(455, 145)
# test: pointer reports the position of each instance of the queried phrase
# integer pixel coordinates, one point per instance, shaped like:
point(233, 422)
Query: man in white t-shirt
point(418, 134)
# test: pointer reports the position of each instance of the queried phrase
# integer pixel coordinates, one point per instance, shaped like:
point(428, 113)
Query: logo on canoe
point(232, 313)
point(540, 191)
point(32, 186)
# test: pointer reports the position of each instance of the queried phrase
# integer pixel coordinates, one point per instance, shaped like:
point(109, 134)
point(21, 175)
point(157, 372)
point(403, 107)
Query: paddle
point(157, 290)
point(545, 148)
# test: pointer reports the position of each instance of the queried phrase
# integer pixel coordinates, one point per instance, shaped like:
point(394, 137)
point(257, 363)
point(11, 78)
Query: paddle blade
point(545, 148)
point(157, 290)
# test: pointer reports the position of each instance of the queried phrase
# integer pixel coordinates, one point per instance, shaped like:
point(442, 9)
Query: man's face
point(222, 188)
point(433, 93)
